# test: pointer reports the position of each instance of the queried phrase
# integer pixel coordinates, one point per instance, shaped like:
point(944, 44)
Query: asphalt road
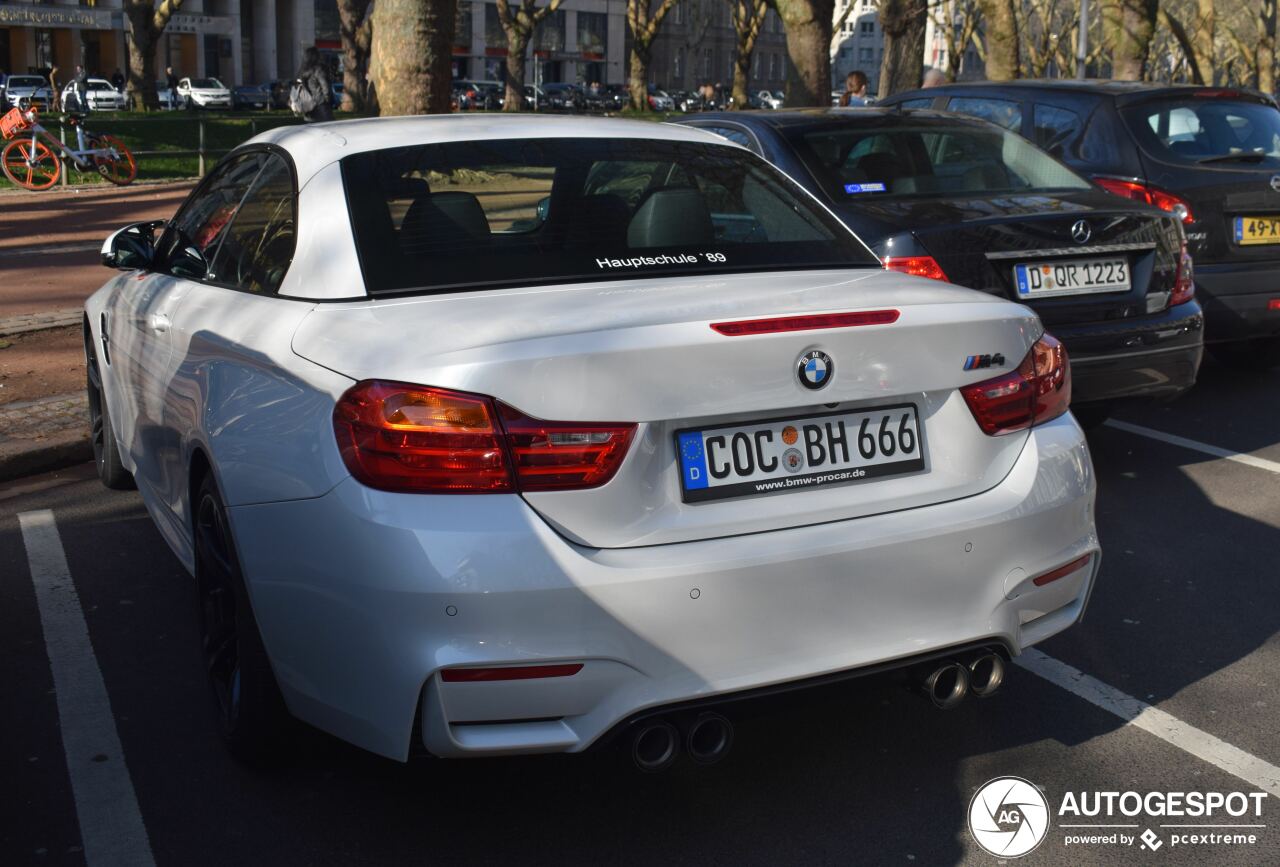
point(1184, 619)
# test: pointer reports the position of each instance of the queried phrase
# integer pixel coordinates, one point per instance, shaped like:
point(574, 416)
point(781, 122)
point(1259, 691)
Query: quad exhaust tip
point(708, 738)
point(654, 746)
point(947, 685)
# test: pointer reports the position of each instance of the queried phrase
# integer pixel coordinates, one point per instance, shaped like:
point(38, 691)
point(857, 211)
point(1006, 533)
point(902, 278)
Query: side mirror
point(131, 248)
point(544, 208)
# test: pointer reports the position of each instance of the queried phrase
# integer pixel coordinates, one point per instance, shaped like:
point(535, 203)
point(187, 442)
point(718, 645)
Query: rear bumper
point(1235, 298)
point(1153, 357)
point(364, 596)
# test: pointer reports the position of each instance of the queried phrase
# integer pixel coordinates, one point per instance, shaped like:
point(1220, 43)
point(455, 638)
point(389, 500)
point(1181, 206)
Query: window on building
point(706, 63)
point(868, 27)
point(677, 65)
point(866, 55)
point(773, 67)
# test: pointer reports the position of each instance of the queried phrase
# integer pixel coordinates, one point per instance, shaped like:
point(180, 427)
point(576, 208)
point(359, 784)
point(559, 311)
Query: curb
point(26, 323)
point(27, 458)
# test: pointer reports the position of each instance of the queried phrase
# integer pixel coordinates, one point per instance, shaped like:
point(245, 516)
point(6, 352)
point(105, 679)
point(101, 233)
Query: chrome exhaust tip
point(654, 746)
point(947, 685)
point(708, 738)
point(986, 675)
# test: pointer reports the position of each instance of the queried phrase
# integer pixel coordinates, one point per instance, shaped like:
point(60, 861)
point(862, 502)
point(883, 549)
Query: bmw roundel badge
point(815, 369)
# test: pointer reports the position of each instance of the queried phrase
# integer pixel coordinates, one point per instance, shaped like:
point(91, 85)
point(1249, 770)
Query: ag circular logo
point(815, 369)
point(1008, 817)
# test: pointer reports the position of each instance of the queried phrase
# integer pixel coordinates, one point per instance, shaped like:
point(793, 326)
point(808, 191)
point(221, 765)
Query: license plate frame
point(1268, 238)
point(857, 470)
point(1030, 281)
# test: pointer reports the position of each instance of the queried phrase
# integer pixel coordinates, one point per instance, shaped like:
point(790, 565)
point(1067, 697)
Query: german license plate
point(1072, 277)
point(799, 453)
point(1257, 230)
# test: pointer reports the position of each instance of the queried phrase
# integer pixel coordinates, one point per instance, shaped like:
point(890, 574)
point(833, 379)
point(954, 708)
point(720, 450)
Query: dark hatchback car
point(1209, 155)
point(963, 200)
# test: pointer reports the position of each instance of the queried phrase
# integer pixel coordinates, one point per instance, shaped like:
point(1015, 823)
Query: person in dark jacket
point(117, 80)
point(171, 83)
point(314, 78)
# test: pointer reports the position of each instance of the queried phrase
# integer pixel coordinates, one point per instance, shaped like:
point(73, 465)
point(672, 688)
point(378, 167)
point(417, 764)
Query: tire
point(38, 171)
point(120, 170)
point(1259, 354)
point(249, 711)
point(106, 451)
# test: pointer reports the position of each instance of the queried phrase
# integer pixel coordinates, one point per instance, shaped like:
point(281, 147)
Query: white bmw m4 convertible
point(504, 435)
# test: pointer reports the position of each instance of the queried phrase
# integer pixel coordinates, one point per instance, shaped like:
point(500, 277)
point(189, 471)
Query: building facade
point(237, 41)
point(697, 44)
point(858, 43)
point(581, 42)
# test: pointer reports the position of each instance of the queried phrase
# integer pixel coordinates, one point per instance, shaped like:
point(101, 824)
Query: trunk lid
point(978, 241)
point(643, 351)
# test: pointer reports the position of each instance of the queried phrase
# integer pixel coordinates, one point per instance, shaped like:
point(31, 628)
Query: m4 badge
point(978, 362)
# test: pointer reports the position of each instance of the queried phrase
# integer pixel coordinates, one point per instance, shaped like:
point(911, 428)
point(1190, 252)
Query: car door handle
point(159, 322)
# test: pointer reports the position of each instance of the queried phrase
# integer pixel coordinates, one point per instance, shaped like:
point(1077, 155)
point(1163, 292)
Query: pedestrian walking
point(313, 98)
point(171, 84)
point(80, 90)
point(55, 100)
point(117, 80)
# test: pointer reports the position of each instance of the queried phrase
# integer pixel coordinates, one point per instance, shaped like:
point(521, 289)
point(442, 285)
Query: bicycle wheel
point(36, 170)
point(120, 169)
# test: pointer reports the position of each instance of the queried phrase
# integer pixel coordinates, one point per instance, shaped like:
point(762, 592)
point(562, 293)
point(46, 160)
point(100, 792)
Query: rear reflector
point(394, 436)
point(805, 323)
point(916, 266)
point(1273, 304)
point(1038, 391)
point(1062, 571)
point(513, 672)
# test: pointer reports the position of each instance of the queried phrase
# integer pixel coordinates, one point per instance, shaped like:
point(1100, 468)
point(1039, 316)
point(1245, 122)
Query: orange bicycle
point(35, 162)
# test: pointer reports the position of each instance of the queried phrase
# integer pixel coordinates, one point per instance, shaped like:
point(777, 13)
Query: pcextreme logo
point(1010, 817)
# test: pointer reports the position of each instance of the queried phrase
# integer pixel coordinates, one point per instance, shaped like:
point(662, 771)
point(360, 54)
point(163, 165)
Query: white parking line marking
point(1174, 439)
point(111, 828)
point(1154, 721)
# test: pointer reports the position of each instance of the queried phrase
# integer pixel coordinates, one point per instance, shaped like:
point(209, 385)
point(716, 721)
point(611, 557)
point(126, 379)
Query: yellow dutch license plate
point(1257, 230)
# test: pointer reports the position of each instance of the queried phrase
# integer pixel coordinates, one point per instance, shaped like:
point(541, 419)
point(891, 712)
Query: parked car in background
point(471, 94)
point(164, 96)
point(962, 200)
point(1209, 155)
point(770, 100)
point(660, 100)
point(251, 96)
point(203, 93)
point(564, 96)
point(612, 419)
point(99, 96)
point(29, 87)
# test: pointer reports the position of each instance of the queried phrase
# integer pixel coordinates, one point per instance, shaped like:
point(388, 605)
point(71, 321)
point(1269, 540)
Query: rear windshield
point(1197, 130)
point(474, 214)
point(866, 162)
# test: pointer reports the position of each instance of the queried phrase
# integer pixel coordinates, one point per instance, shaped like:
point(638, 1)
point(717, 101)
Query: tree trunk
point(808, 27)
point(517, 47)
point(140, 86)
point(903, 23)
point(1130, 24)
point(411, 55)
point(1003, 49)
point(639, 77)
point(355, 53)
point(1202, 41)
point(1267, 46)
point(741, 75)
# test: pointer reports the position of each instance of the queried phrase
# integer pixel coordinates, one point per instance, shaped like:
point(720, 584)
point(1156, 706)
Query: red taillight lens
point(1062, 571)
point(511, 672)
point(812, 322)
point(1184, 281)
point(1163, 200)
point(552, 456)
point(1039, 390)
point(916, 266)
point(416, 439)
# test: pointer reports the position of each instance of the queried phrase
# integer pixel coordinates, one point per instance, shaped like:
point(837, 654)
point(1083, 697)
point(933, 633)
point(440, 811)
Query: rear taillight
point(1184, 281)
point(416, 439)
point(1039, 390)
point(1165, 201)
point(916, 266)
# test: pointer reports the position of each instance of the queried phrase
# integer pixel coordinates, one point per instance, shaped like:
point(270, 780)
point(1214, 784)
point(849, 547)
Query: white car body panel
point(362, 595)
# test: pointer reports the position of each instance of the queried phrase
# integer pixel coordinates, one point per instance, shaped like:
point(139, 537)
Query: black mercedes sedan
point(963, 200)
point(1210, 155)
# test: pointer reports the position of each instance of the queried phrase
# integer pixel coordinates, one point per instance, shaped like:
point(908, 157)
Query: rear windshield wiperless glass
point(1207, 130)
point(474, 214)
point(868, 162)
